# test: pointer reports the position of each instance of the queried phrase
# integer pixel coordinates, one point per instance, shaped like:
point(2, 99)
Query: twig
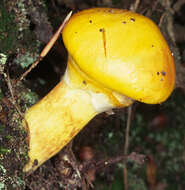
point(135, 157)
point(96, 165)
point(127, 145)
point(73, 162)
point(47, 47)
point(135, 5)
point(129, 117)
point(89, 183)
point(84, 185)
point(161, 19)
point(75, 165)
point(12, 100)
point(167, 5)
point(177, 6)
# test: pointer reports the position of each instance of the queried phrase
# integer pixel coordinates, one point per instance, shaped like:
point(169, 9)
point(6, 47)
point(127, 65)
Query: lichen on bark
point(19, 47)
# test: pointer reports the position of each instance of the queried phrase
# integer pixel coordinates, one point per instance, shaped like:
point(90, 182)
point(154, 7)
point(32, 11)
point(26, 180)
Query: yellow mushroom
point(115, 57)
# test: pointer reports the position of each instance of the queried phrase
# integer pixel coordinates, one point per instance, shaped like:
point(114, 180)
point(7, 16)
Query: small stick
point(47, 47)
point(12, 100)
point(178, 5)
point(135, 5)
point(127, 145)
point(73, 158)
point(94, 164)
point(161, 19)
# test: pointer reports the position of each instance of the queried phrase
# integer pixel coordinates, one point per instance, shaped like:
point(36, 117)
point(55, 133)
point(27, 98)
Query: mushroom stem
point(55, 120)
point(61, 114)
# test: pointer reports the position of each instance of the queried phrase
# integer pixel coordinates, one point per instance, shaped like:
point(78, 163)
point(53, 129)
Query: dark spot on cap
point(152, 45)
point(84, 82)
point(158, 73)
point(35, 163)
point(75, 32)
point(101, 30)
point(163, 73)
point(90, 21)
point(132, 19)
point(124, 22)
point(110, 10)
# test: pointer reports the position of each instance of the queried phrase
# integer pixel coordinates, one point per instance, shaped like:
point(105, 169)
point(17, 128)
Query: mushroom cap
point(122, 50)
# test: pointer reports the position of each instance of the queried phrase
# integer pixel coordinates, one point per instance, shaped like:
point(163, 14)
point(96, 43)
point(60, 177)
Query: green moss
point(2, 169)
point(15, 33)
point(25, 60)
point(2, 127)
point(2, 186)
point(18, 43)
point(29, 98)
point(4, 150)
point(3, 59)
point(8, 30)
point(8, 137)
